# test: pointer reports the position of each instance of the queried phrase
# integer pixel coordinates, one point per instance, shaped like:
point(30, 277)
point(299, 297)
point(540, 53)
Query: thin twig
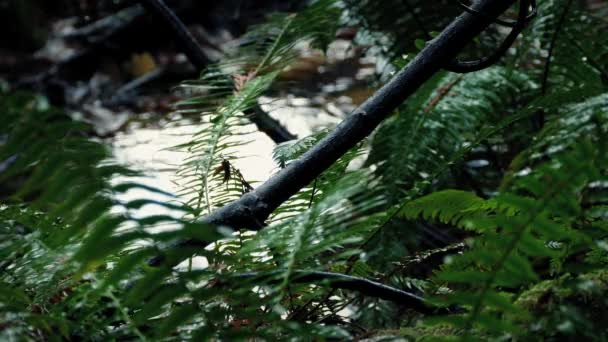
point(185, 39)
point(441, 93)
point(540, 119)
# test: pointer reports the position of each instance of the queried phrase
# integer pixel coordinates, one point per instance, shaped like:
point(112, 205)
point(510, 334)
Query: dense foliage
point(485, 194)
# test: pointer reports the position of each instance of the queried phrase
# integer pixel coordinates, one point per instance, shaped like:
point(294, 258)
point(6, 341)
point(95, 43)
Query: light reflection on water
point(149, 150)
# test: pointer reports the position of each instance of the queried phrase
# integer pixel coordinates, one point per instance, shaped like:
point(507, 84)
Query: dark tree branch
point(463, 67)
point(269, 125)
point(200, 60)
point(185, 40)
point(255, 207)
point(471, 66)
point(101, 28)
point(341, 281)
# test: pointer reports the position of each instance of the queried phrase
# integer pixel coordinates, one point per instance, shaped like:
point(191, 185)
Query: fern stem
point(558, 29)
point(206, 188)
point(275, 45)
point(312, 194)
point(126, 316)
point(291, 260)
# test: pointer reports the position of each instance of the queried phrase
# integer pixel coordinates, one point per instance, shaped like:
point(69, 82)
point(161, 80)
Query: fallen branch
point(269, 125)
point(341, 281)
point(124, 93)
point(422, 264)
point(111, 28)
point(102, 28)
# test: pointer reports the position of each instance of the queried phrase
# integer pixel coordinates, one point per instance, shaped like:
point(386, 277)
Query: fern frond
point(500, 262)
point(574, 122)
point(289, 151)
point(562, 61)
point(322, 236)
point(233, 87)
point(439, 123)
point(73, 245)
point(202, 174)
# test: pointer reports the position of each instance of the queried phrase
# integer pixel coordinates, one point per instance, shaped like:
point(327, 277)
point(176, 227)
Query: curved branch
point(499, 21)
point(341, 281)
point(482, 63)
point(517, 26)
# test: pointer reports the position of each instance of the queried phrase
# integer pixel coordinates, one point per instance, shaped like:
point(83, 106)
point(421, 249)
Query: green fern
point(559, 29)
point(315, 192)
point(439, 121)
point(525, 224)
point(233, 87)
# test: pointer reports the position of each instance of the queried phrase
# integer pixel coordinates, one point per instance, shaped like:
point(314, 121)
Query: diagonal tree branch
point(200, 60)
point(251, 210)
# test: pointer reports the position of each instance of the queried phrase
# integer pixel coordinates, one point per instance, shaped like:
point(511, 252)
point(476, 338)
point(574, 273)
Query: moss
point(427, 332)
point(567, 307)
point(543, 295)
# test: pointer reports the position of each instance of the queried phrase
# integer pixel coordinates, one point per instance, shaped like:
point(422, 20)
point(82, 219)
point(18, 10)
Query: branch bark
point(251, 210)
point(341, 281)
